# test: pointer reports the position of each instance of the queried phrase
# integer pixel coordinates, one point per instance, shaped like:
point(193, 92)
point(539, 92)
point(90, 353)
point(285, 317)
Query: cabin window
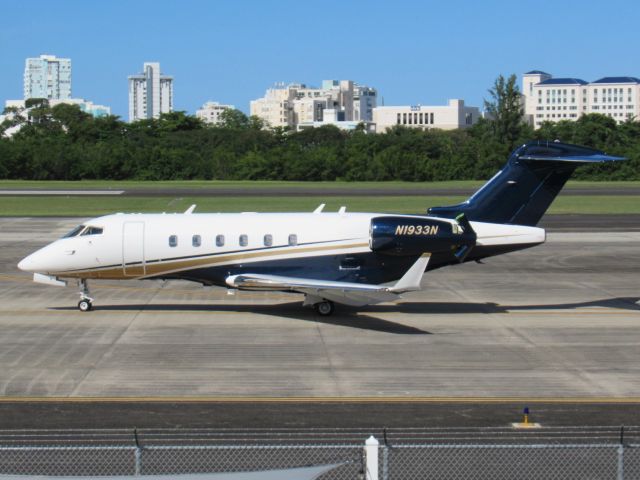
point(76, 231)
point(196, 240)
point(220, 241)
point(244, 240)
point(173, 241)
point(293, 239)
point(92, 231)
point(268, 240)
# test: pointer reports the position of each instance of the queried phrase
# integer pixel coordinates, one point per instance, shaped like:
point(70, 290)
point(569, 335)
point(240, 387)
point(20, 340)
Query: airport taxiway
point(557, 321)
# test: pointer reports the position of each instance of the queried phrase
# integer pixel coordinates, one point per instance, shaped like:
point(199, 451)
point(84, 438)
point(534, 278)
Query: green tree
point(178, 121)
point(505, 111)
point(233, 119)
point(36, 102)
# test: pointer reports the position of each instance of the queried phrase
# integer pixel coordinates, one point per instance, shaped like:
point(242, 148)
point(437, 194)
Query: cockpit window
point(75, 232)
point(92, 231)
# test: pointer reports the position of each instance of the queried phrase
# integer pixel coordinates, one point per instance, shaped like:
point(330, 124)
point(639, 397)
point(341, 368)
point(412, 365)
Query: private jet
point(341, 257)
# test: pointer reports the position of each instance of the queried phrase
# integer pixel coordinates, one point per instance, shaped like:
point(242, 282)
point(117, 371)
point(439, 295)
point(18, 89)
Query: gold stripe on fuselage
point(169, 266)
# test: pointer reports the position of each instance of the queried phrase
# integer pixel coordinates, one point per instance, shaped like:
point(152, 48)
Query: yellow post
point(525, 421)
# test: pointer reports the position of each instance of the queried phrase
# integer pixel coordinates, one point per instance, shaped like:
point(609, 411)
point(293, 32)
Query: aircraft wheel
point(324, 308)
point(84, 305)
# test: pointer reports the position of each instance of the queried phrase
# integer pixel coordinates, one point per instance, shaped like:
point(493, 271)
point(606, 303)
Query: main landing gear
point(86, 301)
point(324, 308)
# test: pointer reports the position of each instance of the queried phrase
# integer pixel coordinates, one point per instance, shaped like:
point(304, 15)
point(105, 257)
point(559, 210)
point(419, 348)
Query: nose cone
point(33, 263)
point(26, 264)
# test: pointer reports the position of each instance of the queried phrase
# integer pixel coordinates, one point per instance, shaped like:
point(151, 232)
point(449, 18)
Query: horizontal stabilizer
point(579, 159)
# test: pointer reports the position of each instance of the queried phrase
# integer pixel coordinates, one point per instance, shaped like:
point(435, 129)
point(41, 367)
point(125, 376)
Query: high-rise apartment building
point(297, 105)
point(150, 93)
point(549, 99)
point(47, 77)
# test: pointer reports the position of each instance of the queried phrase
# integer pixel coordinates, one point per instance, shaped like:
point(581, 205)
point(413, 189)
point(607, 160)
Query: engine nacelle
point(416, 235)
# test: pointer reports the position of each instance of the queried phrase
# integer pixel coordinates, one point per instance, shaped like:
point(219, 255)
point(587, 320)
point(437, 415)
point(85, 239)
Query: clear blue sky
point(412, 51)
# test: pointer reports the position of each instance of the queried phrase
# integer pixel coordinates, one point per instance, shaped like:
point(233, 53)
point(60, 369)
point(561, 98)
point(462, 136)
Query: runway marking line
point(371, 400)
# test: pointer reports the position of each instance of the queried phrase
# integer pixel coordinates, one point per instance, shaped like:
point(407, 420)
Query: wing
point(348, 293)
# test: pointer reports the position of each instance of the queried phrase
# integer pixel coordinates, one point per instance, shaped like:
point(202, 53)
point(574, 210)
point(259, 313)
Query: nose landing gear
point(86, 301)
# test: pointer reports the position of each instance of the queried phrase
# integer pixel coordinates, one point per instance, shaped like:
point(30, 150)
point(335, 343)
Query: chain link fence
point(483, 459)
point(168, 460)
point(548, 462)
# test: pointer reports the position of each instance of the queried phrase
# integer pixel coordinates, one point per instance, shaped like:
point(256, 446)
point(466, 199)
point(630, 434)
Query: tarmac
point(554, 327)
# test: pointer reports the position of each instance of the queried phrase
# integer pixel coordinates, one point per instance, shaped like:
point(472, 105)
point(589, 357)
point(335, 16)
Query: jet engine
point(405, 236)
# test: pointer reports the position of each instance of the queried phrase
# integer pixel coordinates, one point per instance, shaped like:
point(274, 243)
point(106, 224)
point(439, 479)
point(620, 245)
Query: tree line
point(64, 143)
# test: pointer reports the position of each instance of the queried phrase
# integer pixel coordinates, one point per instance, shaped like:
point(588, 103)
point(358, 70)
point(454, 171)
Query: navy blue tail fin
point(522, 191)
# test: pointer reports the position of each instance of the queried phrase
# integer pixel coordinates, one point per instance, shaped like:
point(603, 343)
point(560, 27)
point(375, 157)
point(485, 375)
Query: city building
point(210, 112)
point(150, 93)
point(276, 107)
point(85, 105)
point(299, 106)
point(331, 116)
point(365, 99)
point(17, 109)
point(549, 99)
point(47, 77)
point(447, 117)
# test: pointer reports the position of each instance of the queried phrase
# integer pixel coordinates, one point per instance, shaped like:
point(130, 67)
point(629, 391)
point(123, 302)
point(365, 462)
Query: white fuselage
point(157, 245)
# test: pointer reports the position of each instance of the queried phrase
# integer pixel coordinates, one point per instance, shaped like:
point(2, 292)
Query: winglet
point(190, 210)
point(320, 208)
point(411, 279)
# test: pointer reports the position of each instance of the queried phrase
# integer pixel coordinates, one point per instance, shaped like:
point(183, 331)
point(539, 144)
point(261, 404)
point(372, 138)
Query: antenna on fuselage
point(190, 210)
point(320, 208)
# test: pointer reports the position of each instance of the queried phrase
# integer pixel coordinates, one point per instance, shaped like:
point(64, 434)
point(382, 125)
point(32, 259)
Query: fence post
point(620, 462)
point(385, 462)
point(371, 454)
point(621, 455)
point(137, 454)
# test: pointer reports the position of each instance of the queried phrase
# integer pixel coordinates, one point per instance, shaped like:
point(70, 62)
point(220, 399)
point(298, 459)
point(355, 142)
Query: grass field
point(22, 206)
point(213, 184)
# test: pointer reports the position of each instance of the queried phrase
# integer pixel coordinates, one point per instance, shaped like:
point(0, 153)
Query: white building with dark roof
point(548, 99)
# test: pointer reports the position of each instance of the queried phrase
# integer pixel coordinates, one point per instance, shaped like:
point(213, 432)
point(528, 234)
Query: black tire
point(324, 309)
point(85, 305)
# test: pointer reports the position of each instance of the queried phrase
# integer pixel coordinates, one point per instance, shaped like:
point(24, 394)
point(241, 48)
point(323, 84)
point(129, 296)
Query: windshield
point(76, 231)
point(92, 231)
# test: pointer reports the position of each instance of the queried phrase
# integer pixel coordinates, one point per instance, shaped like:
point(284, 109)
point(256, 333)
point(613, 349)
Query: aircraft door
point(133, 261)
